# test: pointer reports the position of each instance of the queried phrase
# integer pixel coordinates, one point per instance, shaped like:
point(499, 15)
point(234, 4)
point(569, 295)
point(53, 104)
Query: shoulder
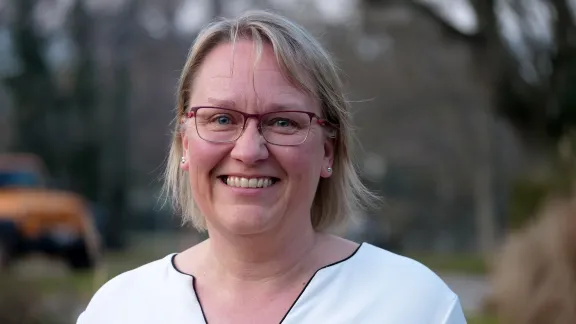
point(144, 277)
point(134, 286)
point(373, 261)
point(406, 283)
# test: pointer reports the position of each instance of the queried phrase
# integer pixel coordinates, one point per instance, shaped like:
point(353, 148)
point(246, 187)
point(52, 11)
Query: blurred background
point(464, 109)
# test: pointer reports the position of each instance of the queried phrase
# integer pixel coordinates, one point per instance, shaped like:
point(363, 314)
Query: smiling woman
point(260, 159)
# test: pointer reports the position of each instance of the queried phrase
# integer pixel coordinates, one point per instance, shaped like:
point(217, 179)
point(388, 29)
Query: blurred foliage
point(531, 191)
point(564, 120)
point(526, 197)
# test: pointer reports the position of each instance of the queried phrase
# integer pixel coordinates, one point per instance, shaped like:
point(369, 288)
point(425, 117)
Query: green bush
point(526, 197)
point(530, 192)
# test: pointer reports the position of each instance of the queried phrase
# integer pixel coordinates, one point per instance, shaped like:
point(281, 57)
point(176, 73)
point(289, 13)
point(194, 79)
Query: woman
point(261, 160)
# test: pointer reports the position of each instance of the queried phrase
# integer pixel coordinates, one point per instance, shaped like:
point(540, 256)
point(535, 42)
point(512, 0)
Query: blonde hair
point(305, 63)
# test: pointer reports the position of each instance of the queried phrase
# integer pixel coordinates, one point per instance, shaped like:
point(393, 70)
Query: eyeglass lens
point(224, 125)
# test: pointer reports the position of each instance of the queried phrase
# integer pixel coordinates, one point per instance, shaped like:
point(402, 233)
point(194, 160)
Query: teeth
point(248, 183)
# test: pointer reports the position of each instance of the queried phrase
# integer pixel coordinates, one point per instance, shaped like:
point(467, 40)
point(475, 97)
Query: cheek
point(203, 157)
point(302, 161)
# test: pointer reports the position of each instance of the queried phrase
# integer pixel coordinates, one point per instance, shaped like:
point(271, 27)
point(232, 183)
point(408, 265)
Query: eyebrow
point(274, 106)
point(286, 106)
point(222, 103)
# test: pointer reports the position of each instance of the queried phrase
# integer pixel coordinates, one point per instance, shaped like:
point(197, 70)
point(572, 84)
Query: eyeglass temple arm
point(327, 125)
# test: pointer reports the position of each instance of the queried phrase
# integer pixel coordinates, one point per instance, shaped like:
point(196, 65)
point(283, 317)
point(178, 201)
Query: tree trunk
point(83, 156)
point(483, 178)
point(116, 139)
point(490, 64)
point(33, 92)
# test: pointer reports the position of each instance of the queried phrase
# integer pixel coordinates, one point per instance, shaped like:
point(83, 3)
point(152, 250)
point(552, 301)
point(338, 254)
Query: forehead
point(234, 73)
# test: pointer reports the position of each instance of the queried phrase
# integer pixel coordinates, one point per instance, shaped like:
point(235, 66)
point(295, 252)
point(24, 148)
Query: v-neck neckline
point(298, 298)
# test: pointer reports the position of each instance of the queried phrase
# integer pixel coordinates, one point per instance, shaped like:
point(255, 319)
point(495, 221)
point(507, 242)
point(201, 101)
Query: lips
point(246, 182)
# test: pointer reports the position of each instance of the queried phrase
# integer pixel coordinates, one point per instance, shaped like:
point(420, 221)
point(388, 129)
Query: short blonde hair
point(304, 62)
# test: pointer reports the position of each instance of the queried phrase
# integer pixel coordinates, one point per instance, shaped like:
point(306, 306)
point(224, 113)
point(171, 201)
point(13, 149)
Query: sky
point(458, 12)
point(193, 14)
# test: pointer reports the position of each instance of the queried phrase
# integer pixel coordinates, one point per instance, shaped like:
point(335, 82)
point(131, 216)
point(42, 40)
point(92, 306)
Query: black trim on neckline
point(172, 261)
point(198, 299)
point(312, 278)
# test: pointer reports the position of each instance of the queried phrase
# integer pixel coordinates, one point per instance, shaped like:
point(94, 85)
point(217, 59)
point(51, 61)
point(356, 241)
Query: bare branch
point(564, 29)
point(562, 60)
point(447, 28)
point(486, 18)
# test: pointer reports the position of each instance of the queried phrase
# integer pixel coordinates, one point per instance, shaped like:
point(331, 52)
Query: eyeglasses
point(286, 128)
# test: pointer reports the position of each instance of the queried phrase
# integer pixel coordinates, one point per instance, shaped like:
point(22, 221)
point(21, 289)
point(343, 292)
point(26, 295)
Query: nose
point(251, 147)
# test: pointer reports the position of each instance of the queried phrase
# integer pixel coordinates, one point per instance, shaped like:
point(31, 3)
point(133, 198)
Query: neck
point(263, 257)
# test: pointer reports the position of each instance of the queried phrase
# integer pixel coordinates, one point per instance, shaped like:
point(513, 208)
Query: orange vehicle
point(37, 219)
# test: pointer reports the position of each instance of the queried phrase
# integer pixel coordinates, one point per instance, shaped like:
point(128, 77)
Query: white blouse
point(371, 286)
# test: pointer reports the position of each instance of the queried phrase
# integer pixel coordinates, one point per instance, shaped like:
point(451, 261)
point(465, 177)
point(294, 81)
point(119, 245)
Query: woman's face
point(220, 172)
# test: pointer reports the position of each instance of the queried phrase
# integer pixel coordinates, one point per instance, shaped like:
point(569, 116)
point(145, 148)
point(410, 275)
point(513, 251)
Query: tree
point(115, 142)
point(61, 124)
point(32, 90)
point(55, 124)
point(540, 108)
point(83, 159)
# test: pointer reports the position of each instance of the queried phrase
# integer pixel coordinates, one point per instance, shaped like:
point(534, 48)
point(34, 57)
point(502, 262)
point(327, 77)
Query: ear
point(185, 158)
point(328, 161)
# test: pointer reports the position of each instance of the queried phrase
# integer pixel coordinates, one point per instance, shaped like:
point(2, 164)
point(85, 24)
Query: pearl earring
point(183, 160)
point(329, 169)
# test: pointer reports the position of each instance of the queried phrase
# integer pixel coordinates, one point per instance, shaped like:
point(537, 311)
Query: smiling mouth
point(254, 183)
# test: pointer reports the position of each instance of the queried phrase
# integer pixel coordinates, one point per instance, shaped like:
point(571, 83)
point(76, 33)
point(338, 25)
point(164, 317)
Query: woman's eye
point(223, 120)
point(282, 123)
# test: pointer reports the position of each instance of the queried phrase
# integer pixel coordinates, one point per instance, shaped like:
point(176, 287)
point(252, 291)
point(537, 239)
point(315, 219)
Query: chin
point(247, 220)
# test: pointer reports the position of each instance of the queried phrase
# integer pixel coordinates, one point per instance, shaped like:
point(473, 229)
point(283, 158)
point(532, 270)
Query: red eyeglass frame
point(320, 121)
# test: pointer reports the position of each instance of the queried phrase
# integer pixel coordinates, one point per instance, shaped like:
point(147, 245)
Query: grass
point(481, 319)
point(452, 263)
point(85, 283)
